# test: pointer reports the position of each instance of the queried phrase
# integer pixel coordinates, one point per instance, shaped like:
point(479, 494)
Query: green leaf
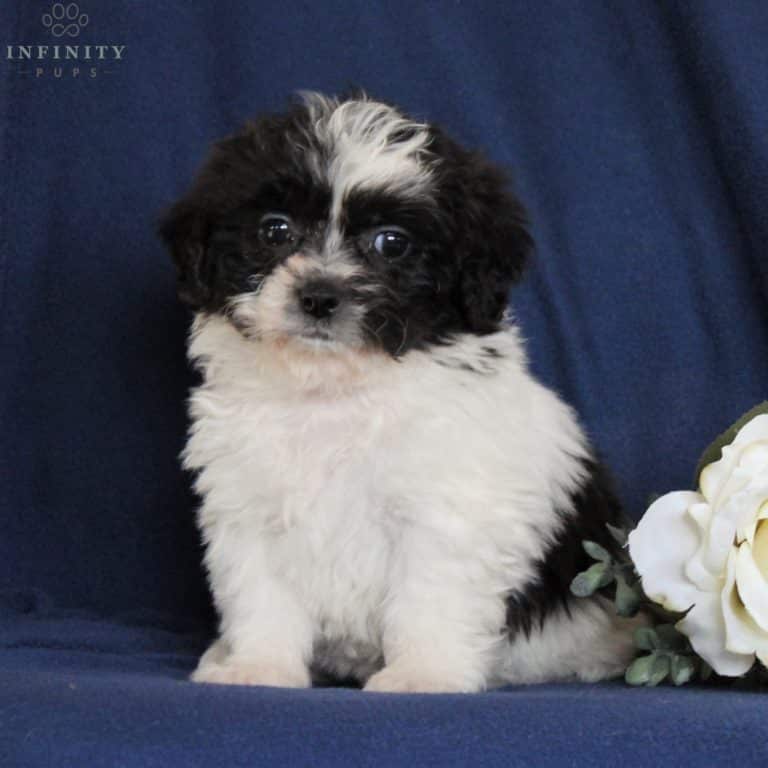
point(620, 535)
point(645, 639)
point(715, 448)
point(705, 671)
point(588, 582)
point(670, 639)
point(627, 598)
point(681, 669)
point(596, 552)
point(639, 671)
point(659, 669)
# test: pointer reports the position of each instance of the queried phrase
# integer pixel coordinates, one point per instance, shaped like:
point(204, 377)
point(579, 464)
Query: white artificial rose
point(708, 552)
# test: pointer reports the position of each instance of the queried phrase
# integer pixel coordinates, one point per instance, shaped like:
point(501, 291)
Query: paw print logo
point(65, 20)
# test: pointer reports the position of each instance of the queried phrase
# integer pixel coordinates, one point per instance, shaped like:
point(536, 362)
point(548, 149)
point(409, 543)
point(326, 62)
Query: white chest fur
point(328, 484)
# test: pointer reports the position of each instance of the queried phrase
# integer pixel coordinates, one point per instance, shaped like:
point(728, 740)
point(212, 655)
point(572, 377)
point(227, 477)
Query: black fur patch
point(211, 230)
point(593, 505)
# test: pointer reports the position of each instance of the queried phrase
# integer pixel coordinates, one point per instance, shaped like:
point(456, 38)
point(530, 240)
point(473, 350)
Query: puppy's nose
point(319, 301)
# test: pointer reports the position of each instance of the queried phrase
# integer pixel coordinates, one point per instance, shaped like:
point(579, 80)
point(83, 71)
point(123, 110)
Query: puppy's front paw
point(233, 672)
point(404, 679)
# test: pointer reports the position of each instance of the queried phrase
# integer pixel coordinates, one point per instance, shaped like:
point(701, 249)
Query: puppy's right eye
point(275, 229)
point(392, 243)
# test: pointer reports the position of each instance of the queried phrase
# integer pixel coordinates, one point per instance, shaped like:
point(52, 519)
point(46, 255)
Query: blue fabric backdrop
point(637, 133)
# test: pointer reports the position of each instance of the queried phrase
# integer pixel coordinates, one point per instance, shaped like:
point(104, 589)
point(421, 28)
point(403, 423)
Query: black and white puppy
point(388, 495)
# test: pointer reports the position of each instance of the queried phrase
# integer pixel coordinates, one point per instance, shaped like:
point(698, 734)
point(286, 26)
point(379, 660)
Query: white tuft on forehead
point(370, 146)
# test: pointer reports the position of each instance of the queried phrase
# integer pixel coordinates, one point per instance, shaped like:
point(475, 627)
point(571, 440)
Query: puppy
point(387, 494)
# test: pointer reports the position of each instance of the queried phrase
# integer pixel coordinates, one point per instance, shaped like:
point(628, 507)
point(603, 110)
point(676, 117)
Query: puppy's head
point(343, 224)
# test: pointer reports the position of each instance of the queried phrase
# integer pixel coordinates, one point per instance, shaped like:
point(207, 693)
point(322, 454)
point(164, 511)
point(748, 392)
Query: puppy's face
point(345, 225)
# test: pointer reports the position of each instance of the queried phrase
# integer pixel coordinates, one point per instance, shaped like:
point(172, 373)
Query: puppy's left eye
point(276, 229)
point(392, 243)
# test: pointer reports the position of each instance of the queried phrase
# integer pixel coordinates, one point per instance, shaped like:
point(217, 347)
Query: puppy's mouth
point(317, 335)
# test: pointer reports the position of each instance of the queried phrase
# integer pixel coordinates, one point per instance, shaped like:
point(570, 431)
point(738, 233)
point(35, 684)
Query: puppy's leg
point(443, 623)
point(266, 636)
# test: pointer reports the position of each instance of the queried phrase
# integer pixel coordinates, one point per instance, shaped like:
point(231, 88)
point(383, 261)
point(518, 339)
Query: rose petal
point(721, 536)
point(706, 566)
point(742, 635)
point(754, 458)
point(730, 518)
point(717, 480)
point(701, 514)
point(752, 586)
point(747, 532)
point(760, 543)
point(737, 481)
point(714, 477)
point(699, 575)
point(753, 431)
point(705, 627)
point(665, 539)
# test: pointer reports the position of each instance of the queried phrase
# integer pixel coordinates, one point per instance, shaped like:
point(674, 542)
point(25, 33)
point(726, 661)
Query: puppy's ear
point(188, 229)
point(491, 235)
point(185, 229)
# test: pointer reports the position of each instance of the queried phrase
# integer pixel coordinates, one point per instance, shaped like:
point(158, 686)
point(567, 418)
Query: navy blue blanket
point(637, 132)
